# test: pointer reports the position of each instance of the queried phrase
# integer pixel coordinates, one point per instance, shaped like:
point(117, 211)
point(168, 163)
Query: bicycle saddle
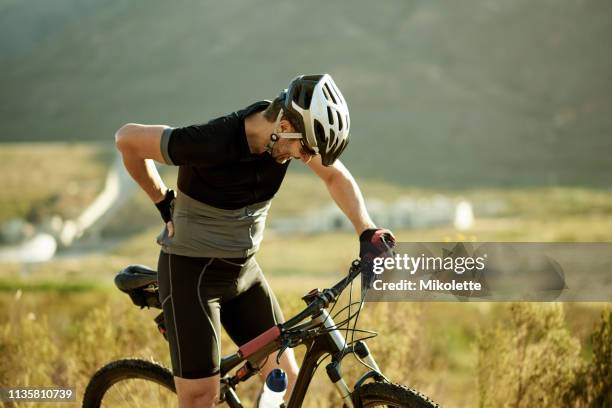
point(135, 277)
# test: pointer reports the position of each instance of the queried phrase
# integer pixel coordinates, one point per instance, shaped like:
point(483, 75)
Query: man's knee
point(201, 392)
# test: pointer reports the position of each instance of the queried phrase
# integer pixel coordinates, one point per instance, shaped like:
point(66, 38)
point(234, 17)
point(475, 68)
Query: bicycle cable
point(350, 302)
point(365, 289)
point(373, 334)
point(354, 329)
point(338, 326)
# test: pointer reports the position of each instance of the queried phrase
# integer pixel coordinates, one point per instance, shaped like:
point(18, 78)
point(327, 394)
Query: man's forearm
point(345, 192)
point(144, 172)
point(139, 145)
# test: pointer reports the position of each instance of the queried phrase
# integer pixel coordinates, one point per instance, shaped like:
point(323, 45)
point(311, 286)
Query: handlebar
point(324, 298)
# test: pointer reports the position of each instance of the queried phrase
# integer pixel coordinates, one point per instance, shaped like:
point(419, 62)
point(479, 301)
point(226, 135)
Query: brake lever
point(290, 342)
point(388, 245)
point(286, 343)
point(283, 348)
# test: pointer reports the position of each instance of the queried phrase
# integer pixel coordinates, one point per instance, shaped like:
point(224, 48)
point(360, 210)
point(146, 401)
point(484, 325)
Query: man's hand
point(165, 207)
point(374, 242)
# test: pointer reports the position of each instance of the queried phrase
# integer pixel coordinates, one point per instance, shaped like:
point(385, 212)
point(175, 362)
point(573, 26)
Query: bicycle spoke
point(138, 393)
point(128, 392)
point(135, 399)
point(121, 394)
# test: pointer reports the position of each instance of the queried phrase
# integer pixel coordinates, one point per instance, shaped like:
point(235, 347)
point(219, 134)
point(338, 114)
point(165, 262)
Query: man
point(230, 169)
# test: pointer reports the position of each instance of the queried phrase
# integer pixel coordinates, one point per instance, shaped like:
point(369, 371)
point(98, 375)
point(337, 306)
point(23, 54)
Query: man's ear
point(286, 126)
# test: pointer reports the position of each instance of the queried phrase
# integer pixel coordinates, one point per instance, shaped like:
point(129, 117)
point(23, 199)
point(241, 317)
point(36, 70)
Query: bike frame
point(319, 334)
point(330, 342)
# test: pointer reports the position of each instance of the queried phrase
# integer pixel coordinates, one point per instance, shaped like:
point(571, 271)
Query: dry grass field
point(448, 351)
point(62, 320)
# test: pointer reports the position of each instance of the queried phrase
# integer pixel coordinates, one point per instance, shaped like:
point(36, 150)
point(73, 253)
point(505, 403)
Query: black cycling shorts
point(199, 295)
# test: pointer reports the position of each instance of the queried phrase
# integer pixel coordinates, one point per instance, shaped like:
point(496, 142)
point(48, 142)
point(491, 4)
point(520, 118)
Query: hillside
point(476, 93)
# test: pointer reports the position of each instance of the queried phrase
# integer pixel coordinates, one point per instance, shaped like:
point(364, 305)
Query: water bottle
point(273, 390)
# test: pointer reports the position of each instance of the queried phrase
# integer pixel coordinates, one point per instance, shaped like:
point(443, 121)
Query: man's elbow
point(124, 136)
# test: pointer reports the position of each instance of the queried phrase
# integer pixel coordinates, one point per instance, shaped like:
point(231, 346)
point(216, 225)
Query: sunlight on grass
point(62, 320)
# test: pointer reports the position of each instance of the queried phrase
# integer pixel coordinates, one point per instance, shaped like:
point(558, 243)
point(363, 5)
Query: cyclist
point(229, 170)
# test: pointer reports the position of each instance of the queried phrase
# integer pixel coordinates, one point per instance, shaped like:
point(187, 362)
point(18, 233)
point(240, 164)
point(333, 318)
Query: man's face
point(287, 149)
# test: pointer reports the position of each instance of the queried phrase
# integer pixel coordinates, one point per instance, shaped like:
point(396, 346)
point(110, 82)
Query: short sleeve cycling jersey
point(208, 275)
point(216, 165)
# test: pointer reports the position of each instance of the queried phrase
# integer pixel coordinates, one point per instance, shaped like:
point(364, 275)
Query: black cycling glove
point(166, 205)
point(374, 242)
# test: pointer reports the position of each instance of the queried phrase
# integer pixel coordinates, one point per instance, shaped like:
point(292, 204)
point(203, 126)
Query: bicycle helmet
point(316, 107)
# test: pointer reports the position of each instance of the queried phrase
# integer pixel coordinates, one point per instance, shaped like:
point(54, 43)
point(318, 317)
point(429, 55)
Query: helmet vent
point(319, 133)
point(306, 96)
point(340, 124)
point(330, 93)
point(330, 116)
point(326, 93)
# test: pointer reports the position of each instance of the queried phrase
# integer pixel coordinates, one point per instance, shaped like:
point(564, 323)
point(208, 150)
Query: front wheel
point(131, 383)
point(383, 394)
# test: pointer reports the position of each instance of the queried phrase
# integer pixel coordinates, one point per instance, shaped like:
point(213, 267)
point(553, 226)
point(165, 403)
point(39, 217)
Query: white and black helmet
point(316, 107)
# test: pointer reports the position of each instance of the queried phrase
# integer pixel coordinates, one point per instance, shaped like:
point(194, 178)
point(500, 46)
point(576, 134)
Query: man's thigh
point(192, 320)
point(254, 310)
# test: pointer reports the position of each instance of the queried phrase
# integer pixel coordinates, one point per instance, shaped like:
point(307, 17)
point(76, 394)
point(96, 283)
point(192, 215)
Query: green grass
point(13, 285)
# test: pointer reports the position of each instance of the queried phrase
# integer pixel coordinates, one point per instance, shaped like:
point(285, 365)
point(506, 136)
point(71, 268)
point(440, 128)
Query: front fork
point(334, 369)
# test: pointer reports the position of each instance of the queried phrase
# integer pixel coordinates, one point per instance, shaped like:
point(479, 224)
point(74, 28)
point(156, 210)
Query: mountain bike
point(135, 382)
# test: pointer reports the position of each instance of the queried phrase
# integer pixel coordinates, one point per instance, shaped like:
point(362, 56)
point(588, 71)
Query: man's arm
point(139, 145)
point(344, 190)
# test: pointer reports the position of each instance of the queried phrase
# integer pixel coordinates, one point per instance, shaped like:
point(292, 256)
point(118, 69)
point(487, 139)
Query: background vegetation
point(61, 320)
point(503, 103)
point(481, 92)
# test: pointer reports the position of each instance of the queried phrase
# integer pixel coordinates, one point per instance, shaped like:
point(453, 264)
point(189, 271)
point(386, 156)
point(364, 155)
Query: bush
point(593, 386)
point(530, 360)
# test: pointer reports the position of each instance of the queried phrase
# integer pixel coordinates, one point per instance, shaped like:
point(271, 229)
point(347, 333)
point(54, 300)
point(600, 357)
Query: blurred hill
point(442, 94)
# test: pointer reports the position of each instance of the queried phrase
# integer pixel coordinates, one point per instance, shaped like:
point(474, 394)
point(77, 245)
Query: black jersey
point(216, 165)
